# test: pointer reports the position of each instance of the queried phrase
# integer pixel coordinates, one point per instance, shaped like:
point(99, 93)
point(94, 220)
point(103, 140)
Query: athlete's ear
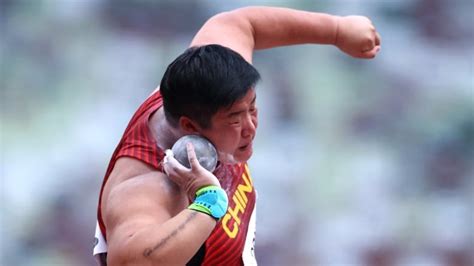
point(188, 125)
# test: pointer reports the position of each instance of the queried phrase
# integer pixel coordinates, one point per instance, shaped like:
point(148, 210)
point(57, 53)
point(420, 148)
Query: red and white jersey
point(232, 240)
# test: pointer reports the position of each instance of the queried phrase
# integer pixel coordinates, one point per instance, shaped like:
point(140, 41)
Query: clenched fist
point(190, 180)
point(357, 36)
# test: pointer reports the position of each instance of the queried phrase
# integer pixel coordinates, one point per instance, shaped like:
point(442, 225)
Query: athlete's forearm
point(172, 243)
point(250, 28)
point(273, 26)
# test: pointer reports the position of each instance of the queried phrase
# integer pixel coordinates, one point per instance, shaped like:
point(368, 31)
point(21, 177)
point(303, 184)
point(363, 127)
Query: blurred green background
point(356, 162)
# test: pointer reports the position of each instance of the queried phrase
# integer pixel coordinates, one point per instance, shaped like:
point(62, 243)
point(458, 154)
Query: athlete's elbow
point(235, 19)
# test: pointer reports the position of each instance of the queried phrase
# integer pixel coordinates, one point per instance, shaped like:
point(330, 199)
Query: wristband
point(211, 200)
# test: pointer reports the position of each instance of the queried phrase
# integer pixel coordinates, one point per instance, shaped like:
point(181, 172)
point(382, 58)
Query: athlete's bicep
point(136, 204)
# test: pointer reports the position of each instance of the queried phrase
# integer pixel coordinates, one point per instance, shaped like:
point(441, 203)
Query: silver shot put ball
point(205, 152)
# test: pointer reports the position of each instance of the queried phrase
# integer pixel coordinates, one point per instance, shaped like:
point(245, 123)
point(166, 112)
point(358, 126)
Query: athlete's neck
point(163, 132)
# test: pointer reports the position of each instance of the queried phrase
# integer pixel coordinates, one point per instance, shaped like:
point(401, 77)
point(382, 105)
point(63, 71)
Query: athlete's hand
point(357, 36)
point(191, 180)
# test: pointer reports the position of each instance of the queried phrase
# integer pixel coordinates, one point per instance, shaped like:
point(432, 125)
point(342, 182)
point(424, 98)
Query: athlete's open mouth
point(244, 146)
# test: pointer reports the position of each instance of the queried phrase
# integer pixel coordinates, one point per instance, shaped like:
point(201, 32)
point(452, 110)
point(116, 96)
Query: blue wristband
point(211, 200)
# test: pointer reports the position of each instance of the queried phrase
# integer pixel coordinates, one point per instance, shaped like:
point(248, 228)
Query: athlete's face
point(233, 129)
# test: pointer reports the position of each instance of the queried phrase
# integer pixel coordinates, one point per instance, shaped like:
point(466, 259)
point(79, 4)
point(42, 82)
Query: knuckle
point(368, 43)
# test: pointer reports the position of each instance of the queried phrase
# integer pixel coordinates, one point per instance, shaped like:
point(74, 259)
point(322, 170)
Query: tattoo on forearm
point(147, 252)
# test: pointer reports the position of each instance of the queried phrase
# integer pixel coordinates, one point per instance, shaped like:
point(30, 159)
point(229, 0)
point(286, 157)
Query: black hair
point(203, 80)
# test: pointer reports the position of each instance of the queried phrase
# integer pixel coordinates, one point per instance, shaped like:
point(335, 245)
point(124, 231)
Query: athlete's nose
point(249, 126)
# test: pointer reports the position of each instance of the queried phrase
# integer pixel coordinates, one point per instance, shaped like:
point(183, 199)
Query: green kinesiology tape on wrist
point(211, 200)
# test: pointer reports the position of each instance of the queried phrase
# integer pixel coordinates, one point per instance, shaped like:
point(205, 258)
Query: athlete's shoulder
point(126, 169)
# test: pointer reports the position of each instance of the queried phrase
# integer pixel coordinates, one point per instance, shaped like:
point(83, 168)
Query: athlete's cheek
point(254, 119)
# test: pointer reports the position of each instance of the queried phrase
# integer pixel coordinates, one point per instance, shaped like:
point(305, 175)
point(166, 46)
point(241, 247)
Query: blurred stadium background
point(356, 162)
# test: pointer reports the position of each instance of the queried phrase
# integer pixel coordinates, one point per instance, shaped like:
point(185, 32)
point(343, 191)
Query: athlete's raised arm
point(247, 29)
